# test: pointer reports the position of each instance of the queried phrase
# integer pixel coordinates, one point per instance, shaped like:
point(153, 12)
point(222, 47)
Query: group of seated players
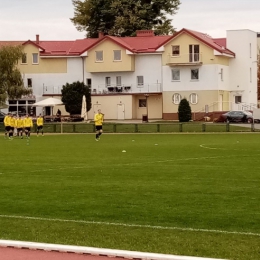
point(20, 125)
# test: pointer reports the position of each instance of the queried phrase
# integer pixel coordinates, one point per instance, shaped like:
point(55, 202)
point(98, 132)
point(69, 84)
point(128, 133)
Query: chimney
point(144, 33)
point(100, 35)
point(37, 38)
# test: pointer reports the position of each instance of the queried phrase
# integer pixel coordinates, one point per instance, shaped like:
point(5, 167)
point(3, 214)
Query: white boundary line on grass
point(211, 148)
point(125, 164)
point(96, 251)
point(132, 225)
point(116, 165)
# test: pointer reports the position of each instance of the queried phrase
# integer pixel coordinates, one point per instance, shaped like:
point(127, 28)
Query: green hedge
point(143, 128)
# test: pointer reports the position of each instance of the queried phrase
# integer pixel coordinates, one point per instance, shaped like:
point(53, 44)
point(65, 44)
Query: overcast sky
point(23, 19)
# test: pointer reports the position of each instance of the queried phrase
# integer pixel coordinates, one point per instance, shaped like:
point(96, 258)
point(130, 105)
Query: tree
point(72, 96)
point(11, 82)
point(123, 17)
point(184, 111)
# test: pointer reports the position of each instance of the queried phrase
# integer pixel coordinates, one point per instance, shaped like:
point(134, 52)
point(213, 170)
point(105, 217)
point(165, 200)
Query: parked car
point(2, 116)
point(237, 117)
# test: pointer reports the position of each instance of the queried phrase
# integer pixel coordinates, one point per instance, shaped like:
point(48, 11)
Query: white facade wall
point(243, 69)
point(224, 79)
point(209, 78)
point(51, 83)
point(148, 66)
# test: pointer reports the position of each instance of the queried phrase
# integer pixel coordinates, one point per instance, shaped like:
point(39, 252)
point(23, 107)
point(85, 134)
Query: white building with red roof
point(146, 74)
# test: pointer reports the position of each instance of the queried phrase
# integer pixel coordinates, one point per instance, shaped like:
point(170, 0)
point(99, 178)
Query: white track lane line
point(131, 225)
point(96, 251)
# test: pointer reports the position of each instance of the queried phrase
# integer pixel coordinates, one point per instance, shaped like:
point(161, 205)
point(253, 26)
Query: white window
point(142, 102)
point(194, 51)
point(250, 74)
point(24, 58)
point(193, 98)
point(118, 81)
point(194, 74)
point(99, 56)
point(176, 98)
point(29, 83)
point(108, 81)
point(175, 74)
point(221, 75)
point(35, 59)
point(117, 55)
point(238, 99)
point(175, 50)
point(89, 82)
point(140, 80)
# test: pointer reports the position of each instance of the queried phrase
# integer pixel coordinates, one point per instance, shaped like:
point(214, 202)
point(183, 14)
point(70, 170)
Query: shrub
point(72, 96)
point(184, 111)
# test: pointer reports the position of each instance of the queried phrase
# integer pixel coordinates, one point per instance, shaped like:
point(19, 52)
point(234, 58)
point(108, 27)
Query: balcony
point(48, 90)
point(189, 59)
point(103, 89)
point(126, 89)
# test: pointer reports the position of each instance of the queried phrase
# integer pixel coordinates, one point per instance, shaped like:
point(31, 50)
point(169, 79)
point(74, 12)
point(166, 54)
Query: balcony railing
point(131, 88)
point(112, 89)
point(185, 59)
point(51, 89)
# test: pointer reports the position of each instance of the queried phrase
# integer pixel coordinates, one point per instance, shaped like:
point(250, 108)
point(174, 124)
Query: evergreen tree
point(72, 96)
point(184, 111)
point(11, 82)
point(123, 17)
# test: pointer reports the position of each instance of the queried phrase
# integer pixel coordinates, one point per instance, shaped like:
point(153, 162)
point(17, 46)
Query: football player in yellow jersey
point(20, 126)
point(12, 126)
point(7, 124)
point(15, 123)
point(39, 123)
point(98, 119)
point(27, 126)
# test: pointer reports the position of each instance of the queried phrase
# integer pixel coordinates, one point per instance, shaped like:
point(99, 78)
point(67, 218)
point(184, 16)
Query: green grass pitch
point(183, 194)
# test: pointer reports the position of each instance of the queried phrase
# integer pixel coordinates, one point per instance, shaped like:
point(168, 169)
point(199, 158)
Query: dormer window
point(24, 58)
point(194, 53)
point(117, 55)
point(99, 56)
point(175, 50)
point(35, 58)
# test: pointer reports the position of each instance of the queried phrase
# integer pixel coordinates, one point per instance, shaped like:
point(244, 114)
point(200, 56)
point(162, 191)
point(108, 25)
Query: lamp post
point(146, 96)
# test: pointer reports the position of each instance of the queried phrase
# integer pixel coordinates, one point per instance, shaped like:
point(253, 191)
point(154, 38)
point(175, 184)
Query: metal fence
point(146, 128)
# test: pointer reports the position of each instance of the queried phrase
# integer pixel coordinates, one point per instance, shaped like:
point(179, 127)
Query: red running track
point(7, 253)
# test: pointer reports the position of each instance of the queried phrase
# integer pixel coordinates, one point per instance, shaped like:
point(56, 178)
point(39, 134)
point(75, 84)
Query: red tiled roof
point(145, 44)
point(12, 43)
point(35, 44)
point(139, 44)
point(221, 42)
point(209, 41)
point(83, 45)
point(56, 48)
point(66, 48)
point(206, 39)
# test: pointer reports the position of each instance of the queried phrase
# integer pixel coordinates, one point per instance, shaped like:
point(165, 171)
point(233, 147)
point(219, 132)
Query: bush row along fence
point(144, 128)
